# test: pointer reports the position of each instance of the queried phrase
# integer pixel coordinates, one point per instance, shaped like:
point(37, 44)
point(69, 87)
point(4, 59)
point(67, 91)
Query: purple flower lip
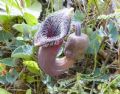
point(54, 28)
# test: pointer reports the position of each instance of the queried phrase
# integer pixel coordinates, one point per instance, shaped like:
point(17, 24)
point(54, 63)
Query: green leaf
point(29, 91)
point(94, 44)
point(4, 18)
point(19, 43)
point(30, 79)
point(79, 16)
point(22, 27)
point(25, 29)
point(32, 66)
point(24, 52)
point(113, 34)
point(97, 72)
point(3, 80)
point(2, 67)
point(28, 3)
point(105, 77)
point(7, 9)
point(12, 76)
point(5, 36)
point(8, 62)
point(116, 81)
point(30, 19)
point(93, 47)
point(18, 27)
point(3, 91)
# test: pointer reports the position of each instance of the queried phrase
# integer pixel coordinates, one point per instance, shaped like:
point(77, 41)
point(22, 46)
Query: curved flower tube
point(50, 39)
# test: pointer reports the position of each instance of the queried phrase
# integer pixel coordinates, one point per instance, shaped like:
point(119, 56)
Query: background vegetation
point(97, 73)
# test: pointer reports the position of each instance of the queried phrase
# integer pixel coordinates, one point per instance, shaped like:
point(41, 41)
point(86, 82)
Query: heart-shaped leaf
point(22, 27)
point(24, 52)
point(8, 62)
point(12, 76)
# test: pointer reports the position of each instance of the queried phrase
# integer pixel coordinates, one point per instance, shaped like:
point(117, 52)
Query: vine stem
point(113, 81)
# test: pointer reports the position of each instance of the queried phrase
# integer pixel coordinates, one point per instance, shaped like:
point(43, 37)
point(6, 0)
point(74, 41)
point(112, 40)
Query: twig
point(93, 85)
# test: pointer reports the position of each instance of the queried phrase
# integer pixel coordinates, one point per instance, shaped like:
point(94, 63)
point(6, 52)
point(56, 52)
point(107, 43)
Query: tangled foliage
point(97, 73)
